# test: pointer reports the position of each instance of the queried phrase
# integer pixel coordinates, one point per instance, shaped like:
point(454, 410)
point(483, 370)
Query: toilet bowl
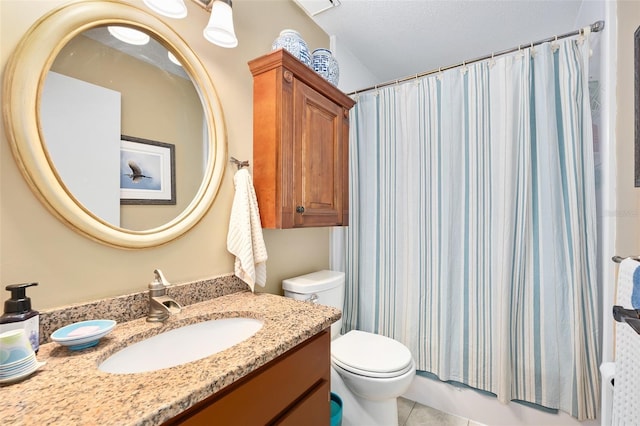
point(368, 371)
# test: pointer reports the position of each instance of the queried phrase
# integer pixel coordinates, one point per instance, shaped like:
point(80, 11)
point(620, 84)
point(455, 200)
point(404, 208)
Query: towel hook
point(239, 163)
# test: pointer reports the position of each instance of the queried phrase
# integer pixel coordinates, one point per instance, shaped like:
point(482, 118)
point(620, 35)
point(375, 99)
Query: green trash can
point(336, 410)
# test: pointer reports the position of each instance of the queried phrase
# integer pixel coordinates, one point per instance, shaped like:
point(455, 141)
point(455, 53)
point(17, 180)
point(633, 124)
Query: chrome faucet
point(160, 305)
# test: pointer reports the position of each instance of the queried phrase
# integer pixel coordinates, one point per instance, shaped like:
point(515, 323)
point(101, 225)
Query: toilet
point(368, 371)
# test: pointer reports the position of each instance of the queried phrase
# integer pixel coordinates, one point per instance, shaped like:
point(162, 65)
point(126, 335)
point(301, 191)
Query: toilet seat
point(371, 374)
point(371, 355)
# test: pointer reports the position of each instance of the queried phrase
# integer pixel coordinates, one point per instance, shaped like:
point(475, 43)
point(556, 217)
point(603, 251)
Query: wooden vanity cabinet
point(293, 389)
point(300, 144)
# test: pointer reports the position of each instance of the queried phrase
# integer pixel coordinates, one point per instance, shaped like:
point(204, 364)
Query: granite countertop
point(70, 390)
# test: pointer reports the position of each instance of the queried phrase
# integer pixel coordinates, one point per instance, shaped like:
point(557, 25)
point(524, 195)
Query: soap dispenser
point(19, 315)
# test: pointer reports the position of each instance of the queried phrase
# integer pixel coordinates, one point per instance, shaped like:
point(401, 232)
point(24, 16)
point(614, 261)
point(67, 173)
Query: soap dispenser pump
point(19, 315)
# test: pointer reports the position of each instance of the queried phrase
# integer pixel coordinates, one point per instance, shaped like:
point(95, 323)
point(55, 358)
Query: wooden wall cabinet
point(294, 389)
point(300, 144)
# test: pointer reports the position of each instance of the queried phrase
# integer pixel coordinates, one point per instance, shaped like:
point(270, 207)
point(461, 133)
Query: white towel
point(626, 392)
point(244, 239)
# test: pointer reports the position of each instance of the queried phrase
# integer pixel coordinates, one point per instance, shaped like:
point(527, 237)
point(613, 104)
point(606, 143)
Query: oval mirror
point(153, 143)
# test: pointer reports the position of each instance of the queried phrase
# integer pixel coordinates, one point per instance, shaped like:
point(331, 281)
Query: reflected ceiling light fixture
point(129, 35)
point(220, 30)
point(173, 59)
point(170, 8)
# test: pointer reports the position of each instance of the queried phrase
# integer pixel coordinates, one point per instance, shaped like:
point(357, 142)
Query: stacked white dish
point(17, 358)
point(83, 334)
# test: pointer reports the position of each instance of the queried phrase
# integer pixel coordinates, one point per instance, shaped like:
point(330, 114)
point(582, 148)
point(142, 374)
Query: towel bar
point(619, 259)
point(630, 316)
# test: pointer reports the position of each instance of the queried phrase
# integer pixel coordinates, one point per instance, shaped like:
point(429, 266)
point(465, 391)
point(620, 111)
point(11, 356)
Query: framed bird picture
point(147, 171)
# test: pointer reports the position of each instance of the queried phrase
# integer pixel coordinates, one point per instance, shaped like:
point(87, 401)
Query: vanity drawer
point(294, 385)
point(306, 412)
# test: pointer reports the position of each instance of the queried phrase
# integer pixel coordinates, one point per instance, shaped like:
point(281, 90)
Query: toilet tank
point(323, 287)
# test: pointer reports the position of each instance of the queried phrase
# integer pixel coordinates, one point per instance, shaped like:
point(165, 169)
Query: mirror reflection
point(124, 127)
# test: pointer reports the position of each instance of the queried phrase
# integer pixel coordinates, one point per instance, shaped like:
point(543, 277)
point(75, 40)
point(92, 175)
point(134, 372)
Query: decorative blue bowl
point(83, 334)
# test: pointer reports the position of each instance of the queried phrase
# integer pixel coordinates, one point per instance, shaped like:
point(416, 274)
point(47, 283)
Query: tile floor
point(411, 413)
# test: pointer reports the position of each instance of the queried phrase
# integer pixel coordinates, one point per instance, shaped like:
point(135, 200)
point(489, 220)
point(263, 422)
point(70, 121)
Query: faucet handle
point(159, 282)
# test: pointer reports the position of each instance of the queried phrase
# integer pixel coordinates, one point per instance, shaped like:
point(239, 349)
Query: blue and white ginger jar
point(292, 42)
point(326, 65)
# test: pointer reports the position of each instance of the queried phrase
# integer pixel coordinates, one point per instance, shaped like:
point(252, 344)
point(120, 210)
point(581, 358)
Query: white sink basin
point(181, 345)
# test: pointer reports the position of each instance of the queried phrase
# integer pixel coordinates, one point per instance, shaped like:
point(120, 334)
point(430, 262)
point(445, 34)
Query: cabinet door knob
point(300, 209)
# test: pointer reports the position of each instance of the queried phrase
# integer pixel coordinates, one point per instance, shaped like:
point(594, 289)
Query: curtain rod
point(595, 27)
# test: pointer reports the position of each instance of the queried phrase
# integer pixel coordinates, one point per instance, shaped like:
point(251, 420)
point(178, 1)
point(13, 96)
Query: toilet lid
point(370, 354)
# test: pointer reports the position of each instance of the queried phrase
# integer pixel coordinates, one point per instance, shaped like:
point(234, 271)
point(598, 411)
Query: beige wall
point(628, 197)
point(35, 246)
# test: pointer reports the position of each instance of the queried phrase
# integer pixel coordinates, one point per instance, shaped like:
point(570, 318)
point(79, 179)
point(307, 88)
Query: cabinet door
point(318, 158)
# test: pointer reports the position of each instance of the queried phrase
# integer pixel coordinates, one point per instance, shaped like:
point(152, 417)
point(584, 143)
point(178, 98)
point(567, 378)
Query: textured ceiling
point(399, 38)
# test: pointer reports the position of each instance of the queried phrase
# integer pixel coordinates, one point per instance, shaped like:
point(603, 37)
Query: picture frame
point(147, 171)
point(636, 61)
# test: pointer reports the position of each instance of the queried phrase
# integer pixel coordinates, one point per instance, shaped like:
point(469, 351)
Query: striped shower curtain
point(473, 225)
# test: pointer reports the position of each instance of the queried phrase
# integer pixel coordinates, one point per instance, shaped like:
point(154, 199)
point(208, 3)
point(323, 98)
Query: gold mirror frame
point(24, 78)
